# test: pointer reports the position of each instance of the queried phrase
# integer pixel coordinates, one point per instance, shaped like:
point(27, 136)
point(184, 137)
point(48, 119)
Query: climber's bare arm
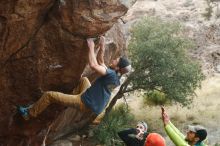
point(92, 59)
point(101, 52)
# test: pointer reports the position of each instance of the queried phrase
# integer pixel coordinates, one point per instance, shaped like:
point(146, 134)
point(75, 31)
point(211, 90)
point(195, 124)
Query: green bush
point(158, 53)
point(155, 98)
point(118, 119)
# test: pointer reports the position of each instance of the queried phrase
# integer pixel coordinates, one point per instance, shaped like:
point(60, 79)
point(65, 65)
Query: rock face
point(42, 45)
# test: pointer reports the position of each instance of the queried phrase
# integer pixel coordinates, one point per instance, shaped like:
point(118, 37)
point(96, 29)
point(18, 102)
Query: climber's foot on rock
point(23, 111)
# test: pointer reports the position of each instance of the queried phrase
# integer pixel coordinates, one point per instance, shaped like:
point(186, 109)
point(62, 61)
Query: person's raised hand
point(165, 116)
point(90, 43)
point(162, 112)
point(140, 135)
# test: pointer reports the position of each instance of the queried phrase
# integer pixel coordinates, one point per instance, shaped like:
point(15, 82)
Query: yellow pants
point(61, 98)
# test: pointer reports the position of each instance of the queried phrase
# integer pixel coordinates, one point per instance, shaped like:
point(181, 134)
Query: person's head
point(196, 134)
point(141, 127)
point(121, 65)
point(155, 139)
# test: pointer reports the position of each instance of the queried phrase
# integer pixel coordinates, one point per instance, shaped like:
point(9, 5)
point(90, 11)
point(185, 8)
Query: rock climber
point(86, 97)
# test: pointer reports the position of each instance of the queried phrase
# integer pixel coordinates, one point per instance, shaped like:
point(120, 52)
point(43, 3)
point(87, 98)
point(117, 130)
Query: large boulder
point(43, 46)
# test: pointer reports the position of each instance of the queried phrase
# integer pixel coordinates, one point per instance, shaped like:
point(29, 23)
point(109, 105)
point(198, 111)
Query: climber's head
point(155, 139)
point(121, 65)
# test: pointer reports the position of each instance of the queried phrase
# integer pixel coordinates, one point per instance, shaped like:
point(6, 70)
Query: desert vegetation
point(163, 74)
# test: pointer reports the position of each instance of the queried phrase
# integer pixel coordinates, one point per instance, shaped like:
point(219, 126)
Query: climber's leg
point(99, 118)
point(54, 97)
point(82, 86)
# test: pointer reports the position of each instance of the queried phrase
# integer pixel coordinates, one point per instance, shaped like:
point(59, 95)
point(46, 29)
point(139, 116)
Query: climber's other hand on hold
point(90, 43)
point(102, 41)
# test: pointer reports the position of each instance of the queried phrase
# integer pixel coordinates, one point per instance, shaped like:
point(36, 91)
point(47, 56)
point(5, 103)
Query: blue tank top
point(97, 96)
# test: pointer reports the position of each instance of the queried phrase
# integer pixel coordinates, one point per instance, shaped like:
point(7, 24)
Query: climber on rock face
point(86, 97)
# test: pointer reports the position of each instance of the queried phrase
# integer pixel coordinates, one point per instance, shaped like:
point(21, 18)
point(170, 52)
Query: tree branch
point(132, 89)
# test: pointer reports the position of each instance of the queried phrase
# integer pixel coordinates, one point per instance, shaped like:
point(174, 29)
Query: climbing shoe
point(23, 111)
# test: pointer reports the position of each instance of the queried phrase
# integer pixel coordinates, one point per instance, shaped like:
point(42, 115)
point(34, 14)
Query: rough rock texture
point(191, 14)
point(42, 45)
